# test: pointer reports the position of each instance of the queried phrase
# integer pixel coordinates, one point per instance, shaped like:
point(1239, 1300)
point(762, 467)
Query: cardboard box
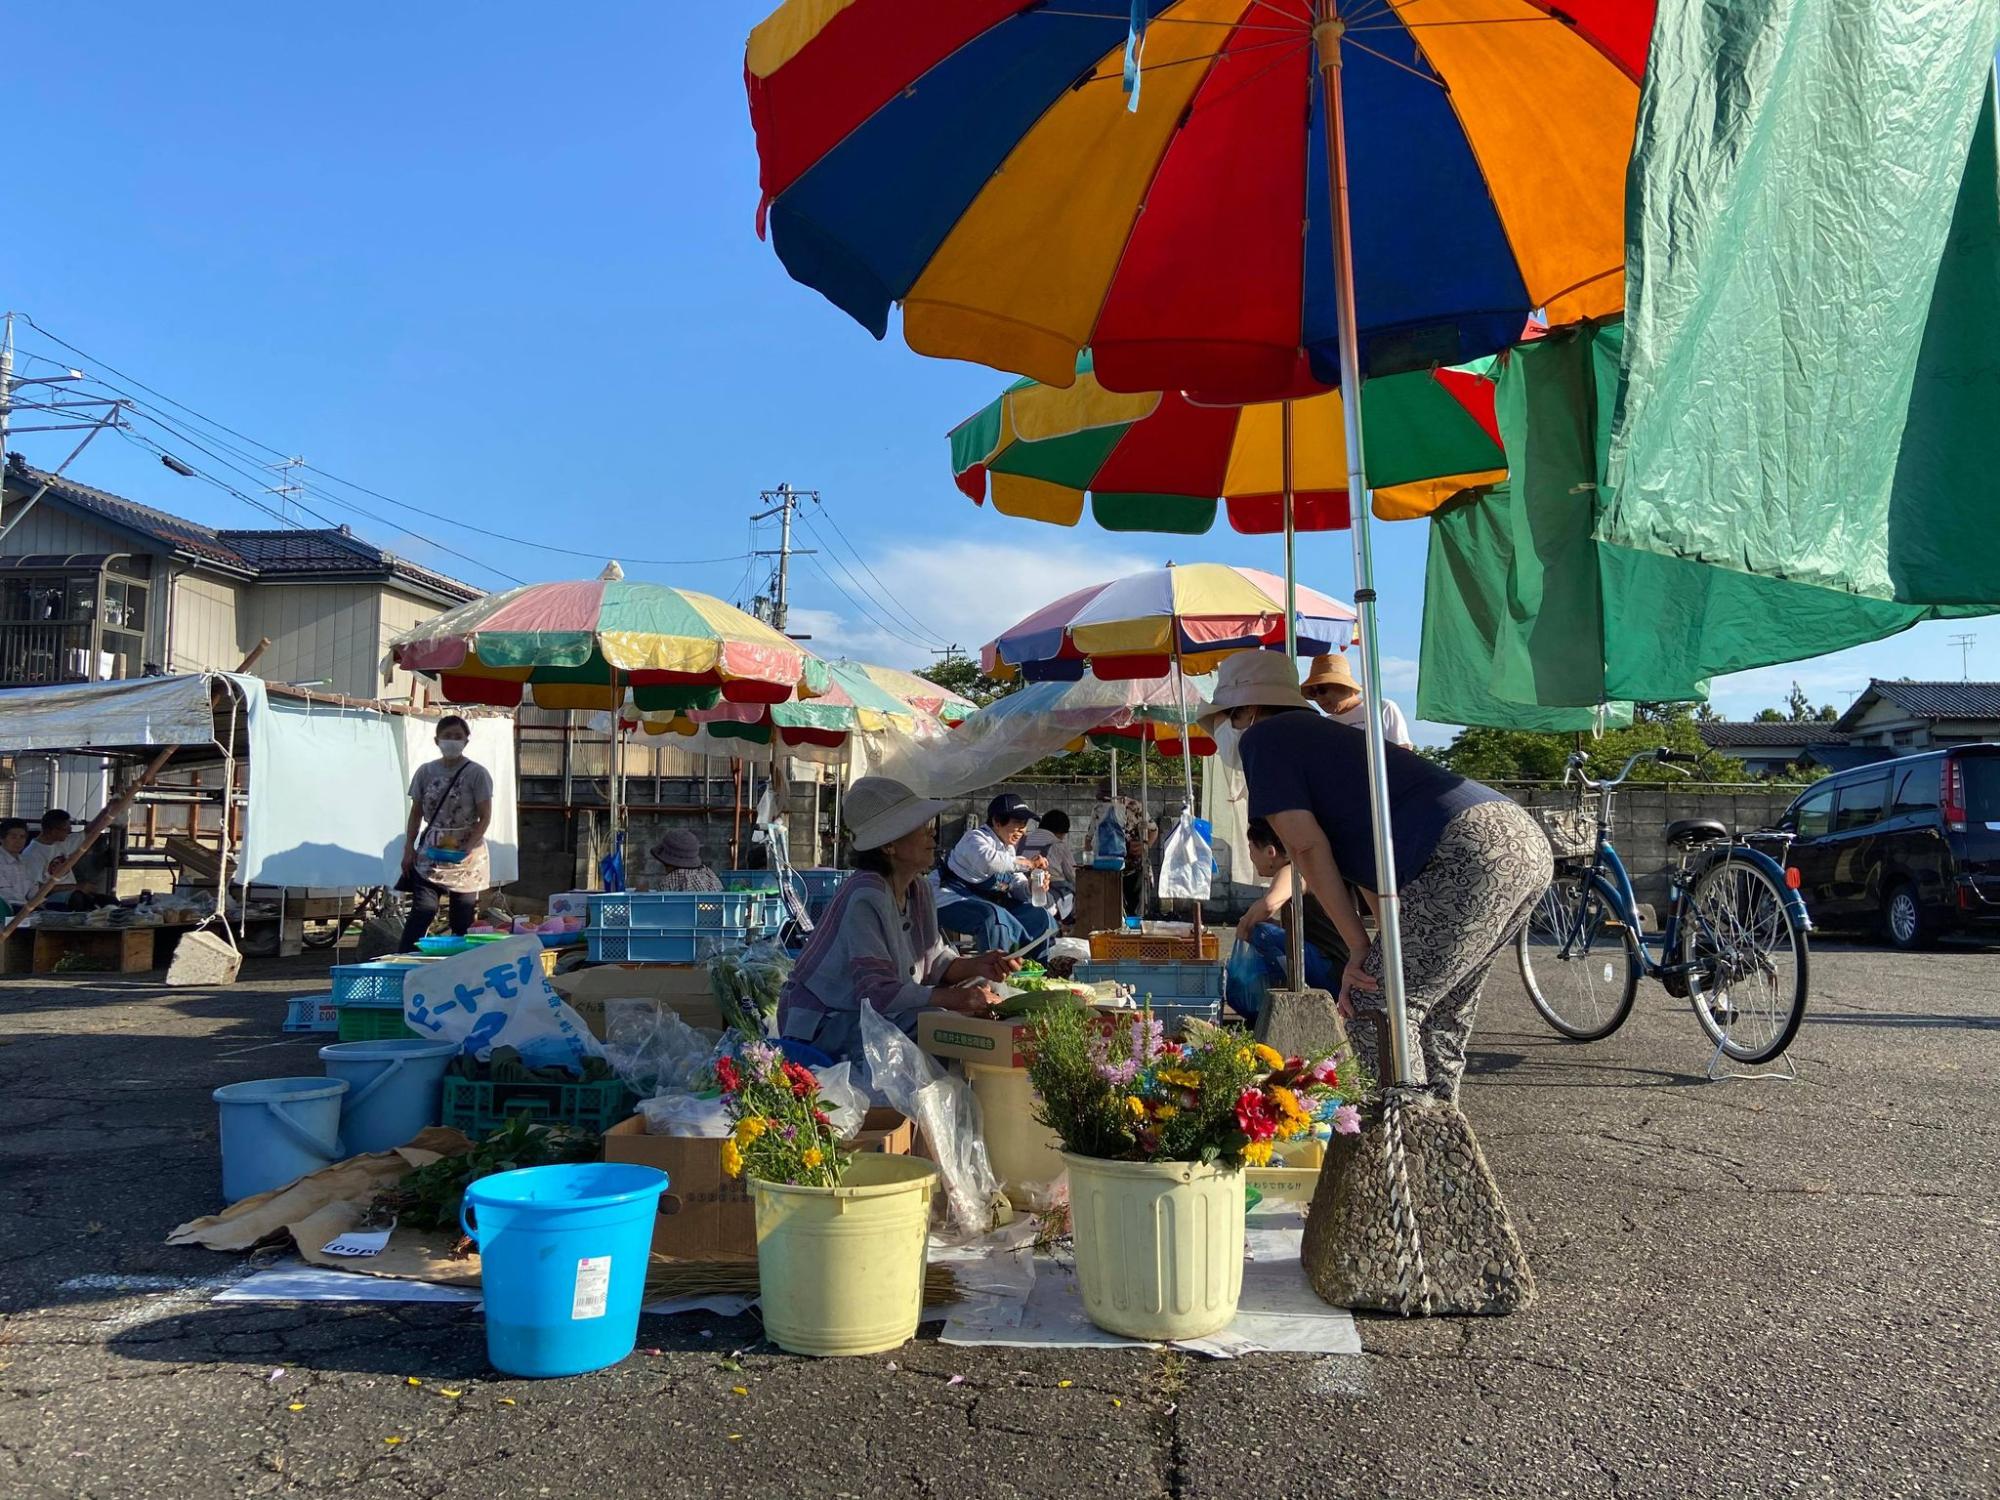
point(705, 1214)
point(682, 987)
point(569, 904)
point(994, 1043)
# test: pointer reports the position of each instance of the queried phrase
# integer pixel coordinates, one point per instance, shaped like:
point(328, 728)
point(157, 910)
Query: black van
point(1910, 846)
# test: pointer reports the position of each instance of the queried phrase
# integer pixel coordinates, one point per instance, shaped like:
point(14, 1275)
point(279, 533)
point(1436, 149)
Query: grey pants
point(1490, 867)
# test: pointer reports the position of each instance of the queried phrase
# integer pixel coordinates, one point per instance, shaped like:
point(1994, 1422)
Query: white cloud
point(963, 592)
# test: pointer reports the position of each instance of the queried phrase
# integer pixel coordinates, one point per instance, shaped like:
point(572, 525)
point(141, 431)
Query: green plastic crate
point(480, 1107)
point(372, 1023)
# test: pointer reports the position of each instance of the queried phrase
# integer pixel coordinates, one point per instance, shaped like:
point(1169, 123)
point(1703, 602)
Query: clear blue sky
point(500, 264)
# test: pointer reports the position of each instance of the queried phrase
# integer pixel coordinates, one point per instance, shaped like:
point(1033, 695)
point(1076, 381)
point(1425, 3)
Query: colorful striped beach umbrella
point(852, 703)
point(1160, 462)
point(941, 703)
point(601, 642)
point(1187, 615)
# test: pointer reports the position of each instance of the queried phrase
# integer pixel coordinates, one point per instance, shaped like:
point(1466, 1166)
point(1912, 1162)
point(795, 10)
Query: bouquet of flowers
point(1128, 1094)
point(782, 1135)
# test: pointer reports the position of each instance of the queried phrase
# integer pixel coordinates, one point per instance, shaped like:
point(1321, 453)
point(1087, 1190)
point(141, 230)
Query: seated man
point(57, 842)
point(983, 891)
point(1049, 840)
point(1264, 927)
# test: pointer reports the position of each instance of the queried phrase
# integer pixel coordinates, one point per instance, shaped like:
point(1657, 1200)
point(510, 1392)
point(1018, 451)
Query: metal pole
point(6, 385)
point(781, 610)
point(1327, 32)
point(1291, 539)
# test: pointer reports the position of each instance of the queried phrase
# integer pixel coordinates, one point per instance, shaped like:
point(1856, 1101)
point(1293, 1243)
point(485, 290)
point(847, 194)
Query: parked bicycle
point(1734, 941)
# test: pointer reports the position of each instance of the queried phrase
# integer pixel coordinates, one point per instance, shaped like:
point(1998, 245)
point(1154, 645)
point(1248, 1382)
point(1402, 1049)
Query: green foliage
point(1521, 755)
point(429, 1197)
point(961, 675)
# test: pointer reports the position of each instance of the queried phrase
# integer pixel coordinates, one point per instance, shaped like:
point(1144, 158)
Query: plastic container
point(479, 1107)
point(1026, 1154)
point(393, 1089)
point(841, 1270)
point(563, 1253)
point(1154, 947)
point(371, 1023)
point(311, 1013)
point(1176, 992)
point(275, 1131)
point(1159, 1245)
point(379, 983)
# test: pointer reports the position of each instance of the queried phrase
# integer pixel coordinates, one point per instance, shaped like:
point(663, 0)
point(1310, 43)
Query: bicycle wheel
point(1579, 960)
point(1746, 961)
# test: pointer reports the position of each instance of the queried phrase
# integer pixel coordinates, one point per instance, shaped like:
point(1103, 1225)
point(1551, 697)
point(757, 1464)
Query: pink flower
point(1347, 1120)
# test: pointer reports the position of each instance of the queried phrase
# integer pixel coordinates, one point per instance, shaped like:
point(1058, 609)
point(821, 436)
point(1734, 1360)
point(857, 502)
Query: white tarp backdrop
point(75, 716)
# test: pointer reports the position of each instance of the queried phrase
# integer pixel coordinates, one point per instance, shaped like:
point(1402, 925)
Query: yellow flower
point(749, 1128)
point(1137, 1105)
point(1291, 1130)
point(1270, 1057)
point(1181, 1078)
point(813, 1157)
point(1257, 1153)
point(1166, 1112)
point(1245, 1056)
point(732, 1159)
point(1288, 1104)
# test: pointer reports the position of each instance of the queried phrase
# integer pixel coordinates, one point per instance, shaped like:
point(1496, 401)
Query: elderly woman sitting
point(678, 854)
point(879, 943)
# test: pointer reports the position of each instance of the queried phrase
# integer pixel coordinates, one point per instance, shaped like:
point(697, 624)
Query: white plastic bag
point(654, 1050)
point(1187, 862)
point(495, 995)
point(685, 1115)
point(839, 1100)
point(944, 1110)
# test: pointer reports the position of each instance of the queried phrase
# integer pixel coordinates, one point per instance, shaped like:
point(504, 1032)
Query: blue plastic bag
point(1246, 980)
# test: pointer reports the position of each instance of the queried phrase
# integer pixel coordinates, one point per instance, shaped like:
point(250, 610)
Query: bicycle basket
point(1572, 831)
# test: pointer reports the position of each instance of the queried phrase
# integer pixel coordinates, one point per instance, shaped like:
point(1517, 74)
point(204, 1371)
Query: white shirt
point(17, 878)
point(38, 856)
point(1395, 728)
point(1061, 858)
point(982, 855)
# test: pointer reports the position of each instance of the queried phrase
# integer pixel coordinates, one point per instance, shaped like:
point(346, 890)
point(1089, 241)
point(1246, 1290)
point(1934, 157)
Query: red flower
point(727, 1076)
point(820, 1119)
point(1254, 1116)
point(801, 1080)
point(1325, 1073)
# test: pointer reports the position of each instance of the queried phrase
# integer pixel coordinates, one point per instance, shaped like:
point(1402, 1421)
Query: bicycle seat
point(1690, 833)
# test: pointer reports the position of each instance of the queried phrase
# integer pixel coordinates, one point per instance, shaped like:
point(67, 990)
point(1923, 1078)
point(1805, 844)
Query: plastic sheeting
point(1530, 623)
point(113, 715)
point(329, 791)
point(1794, 175)
point(1012, 733)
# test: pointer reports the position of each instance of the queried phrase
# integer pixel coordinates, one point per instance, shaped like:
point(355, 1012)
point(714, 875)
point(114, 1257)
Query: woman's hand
point(409, 858)
point(1245, 925)
point(1355, 977)
point(995, 966)
point(972, 998)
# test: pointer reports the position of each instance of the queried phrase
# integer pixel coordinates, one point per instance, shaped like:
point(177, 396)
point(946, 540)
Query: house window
point(72, 626)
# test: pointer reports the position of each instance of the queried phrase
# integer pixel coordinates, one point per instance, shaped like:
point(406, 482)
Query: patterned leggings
point(1491, 865)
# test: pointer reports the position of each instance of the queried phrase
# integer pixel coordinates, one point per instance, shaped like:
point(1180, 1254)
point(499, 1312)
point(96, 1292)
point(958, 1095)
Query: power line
point(888, 626)
point(279, 453)
point(834, 521)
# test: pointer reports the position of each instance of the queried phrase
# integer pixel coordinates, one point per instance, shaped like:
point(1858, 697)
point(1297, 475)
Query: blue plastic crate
point(376, 984)
point(719, 912)
point(1177, 992)
point(625, 945)
point(311, 1013)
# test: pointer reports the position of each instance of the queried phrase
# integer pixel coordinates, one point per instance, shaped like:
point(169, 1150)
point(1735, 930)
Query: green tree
point(1768, 716)
point(961, 675)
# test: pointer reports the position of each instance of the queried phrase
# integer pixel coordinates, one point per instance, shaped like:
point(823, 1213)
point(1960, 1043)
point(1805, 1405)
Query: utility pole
point(1964, 644)
point(776, 608)
point(67, 414)
point(6, 384)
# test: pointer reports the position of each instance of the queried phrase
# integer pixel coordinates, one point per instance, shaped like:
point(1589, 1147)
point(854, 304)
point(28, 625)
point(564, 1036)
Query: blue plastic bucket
point(394, 1089)
point(562, 1261)
point(276, 1130)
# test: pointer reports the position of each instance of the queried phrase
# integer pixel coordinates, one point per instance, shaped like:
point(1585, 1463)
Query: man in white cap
point(1470, 864)
point(1332, 688)
point(878, 943)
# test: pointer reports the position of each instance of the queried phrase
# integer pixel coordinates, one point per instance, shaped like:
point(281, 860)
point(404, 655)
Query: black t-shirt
point(1302, 762)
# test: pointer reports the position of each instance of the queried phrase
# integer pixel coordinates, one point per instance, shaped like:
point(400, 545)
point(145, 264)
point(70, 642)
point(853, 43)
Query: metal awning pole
point(1327, 33)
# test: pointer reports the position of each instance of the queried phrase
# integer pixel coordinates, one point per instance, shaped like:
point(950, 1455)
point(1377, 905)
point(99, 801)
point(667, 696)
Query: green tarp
point(1530, 622)
point(1812, 392)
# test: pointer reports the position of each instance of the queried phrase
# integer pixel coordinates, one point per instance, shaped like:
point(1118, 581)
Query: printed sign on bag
point(496, 995)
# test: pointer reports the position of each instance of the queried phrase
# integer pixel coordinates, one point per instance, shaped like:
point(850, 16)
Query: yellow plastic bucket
point(841, 1270)
point(1159, 1245)
point(1025, 1153)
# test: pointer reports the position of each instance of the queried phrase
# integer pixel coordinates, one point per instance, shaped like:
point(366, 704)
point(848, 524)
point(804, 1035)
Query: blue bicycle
point(1734, 942)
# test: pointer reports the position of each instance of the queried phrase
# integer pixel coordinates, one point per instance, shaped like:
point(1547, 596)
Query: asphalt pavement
point(1746, 1288)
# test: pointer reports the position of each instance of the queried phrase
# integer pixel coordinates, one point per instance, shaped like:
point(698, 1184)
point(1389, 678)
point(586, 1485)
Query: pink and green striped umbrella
point(599, 643)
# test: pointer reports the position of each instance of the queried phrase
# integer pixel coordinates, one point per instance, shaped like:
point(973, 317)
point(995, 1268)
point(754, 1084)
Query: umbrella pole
point(1295, 936)
point(1327, 33)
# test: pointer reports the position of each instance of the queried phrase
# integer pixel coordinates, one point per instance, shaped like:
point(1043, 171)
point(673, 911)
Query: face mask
point(1228, 745)
point(451, 749)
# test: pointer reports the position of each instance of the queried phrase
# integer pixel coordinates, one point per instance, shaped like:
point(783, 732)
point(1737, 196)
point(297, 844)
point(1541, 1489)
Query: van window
point(1812, 814)
point(1980, 776)
point(1861, 804)
point(1917, 790)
